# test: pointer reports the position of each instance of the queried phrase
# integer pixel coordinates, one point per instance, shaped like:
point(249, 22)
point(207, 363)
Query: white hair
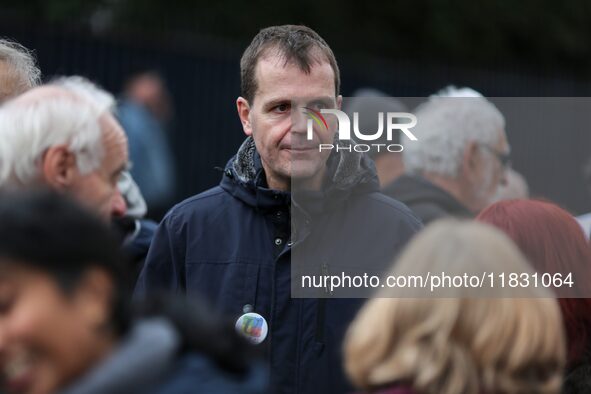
point(21, 63)
point(37, 121)
point(446, 124)
point(452, 91)
point(103, 100)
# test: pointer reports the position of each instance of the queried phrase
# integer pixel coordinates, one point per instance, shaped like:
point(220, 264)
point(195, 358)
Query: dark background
point(405, 48)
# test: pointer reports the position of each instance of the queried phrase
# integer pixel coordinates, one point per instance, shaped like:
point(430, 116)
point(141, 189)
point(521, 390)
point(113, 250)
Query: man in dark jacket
point(233, 244)
point(459, 160)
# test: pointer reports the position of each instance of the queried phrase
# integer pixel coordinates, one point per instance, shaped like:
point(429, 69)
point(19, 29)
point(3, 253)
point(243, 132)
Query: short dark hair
point(50, 232)
point(298, 44)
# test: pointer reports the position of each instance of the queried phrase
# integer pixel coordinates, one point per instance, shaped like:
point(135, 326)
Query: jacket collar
point(348, 173)
point(244, 178)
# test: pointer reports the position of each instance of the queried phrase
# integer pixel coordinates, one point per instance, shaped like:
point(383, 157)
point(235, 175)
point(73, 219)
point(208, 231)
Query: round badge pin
point(253, 327)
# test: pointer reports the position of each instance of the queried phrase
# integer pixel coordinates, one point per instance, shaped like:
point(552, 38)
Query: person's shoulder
point(430, 211)
point(202, 202)
point(195, 373)
point(132, 115)
point(382, 199)
point(392, 208)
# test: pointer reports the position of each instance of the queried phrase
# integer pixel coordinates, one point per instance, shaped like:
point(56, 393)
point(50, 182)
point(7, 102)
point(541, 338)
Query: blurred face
point(47, 338)
point(491, 172)
point(98, 189)
point(150, 91)
point(276, 121)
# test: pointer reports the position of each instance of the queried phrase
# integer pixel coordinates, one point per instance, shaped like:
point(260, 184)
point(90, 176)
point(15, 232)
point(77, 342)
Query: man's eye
point(281, 108)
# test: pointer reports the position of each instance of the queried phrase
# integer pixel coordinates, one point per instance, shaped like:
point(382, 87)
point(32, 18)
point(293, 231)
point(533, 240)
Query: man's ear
point(58, 167)
point(339, 101)
point(93, 298)
point(243, 113)
point(470, 160)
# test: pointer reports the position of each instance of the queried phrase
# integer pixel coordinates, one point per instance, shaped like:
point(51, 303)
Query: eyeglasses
point(503, 157)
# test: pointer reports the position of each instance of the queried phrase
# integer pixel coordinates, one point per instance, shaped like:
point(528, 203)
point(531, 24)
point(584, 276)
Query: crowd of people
point(96, 298)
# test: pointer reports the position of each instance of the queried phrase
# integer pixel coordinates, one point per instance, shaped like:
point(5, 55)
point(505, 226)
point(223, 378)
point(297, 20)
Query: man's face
point(98, 189)
point(279, 127)
point(47, 337)
point(492, 172)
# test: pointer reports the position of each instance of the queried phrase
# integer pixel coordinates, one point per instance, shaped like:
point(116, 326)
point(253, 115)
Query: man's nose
point(118, 205)
point(299, 121)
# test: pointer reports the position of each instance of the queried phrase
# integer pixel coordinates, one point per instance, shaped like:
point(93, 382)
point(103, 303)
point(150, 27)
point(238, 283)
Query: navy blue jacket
point(232, 245)
point(193, 373)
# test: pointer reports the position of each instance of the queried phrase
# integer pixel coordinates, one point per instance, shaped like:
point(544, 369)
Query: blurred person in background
point(144, 112)
point(233, 244)
point(459, 160)
point(553, 242)
point(368, 102)
point(64, 135)
point(66, 324)
point(460, 343)
point(18, 70)
point(515, 187)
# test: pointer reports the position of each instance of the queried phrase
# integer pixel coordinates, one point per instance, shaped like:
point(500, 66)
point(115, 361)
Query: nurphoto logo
point(401, 121)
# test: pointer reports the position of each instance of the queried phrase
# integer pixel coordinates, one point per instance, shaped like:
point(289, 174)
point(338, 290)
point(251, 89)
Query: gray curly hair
point(18, 69)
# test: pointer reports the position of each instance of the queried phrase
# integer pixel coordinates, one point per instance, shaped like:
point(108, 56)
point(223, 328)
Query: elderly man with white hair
point(18, 70)
point(459, 160)
point(63, 135)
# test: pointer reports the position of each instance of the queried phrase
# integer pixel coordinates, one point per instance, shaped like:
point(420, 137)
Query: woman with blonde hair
point(485, 340)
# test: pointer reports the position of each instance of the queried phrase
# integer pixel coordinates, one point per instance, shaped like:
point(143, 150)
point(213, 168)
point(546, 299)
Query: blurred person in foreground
point(367, 103)
point(459, 160)
point(463, 342)
point(144, 112)
point(64, 135)
point(553, 242)
point(18, 70)
point(66, 324)
point(236, 244)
